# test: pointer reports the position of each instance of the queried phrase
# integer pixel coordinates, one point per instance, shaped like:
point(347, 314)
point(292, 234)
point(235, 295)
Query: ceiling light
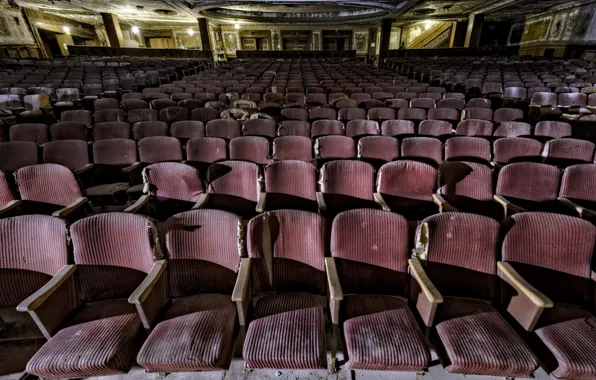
point(191, 32)
point(237, 26)
point(66, 29)
point(135, 29)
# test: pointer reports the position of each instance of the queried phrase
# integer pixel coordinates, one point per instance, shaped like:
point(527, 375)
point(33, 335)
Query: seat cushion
point(382, 334)
point(484, 344)
point(102, 339)
point(107, 189)
point(287, 332)
point(135, 189)
point(197, 334)
point(573, 344)
point(455, 307)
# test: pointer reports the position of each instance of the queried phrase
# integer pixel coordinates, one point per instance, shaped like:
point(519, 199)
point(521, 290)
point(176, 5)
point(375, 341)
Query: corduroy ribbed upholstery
point(459, 148)
point(291, 178)
point(102, 339)
point(411, 114)
point(48, 183)
point(451, 114)
point(462, 181)
point(69, 130)
point(435, 128)
point(382, 334)
point(352, 113)
point(578, 182)
point(134, 104)
point(356, 128)
point(298, 241)
point(259, 127)
point(354, 179)
point(422, 149)
point(553, 253)
point(235, 178)
point(484, 344)
point(529, 181)
point(511, 149)
point(480, 113)
point(187, 129)
point(294, 128)
point(33, 249)
point(34, 132)
point(326, 127)
point(335, 147)
point(474, 127)
point(17, 154)
point(225, 129)
point(111, 130)
point(206, 149)
point(115, 152)
point(141, 114)
point(74, 154)
point(250, 148)
point(513, 129)
point(292, 148)
point(288, 331)
point(110, 115)
point(554, 129)
point(159, 149)
point(196, 335)
point(6, 193)
point(198, 329)
point(569, 149)
point(144, 129)
point(508, 114)
point(80, 116)
point(381, 148)
point(407, 179)
point(173, 114)
point(172, 180)
point(397, 127)
point(202, 248)
point(106, 104)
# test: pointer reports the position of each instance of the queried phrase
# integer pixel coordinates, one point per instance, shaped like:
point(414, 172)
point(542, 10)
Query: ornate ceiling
point(160, 14)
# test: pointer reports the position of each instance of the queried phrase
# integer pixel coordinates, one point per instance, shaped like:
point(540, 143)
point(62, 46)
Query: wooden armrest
point(262, 201)
point(381, 202)
point(507, 205)
point(321, 201)
point(429, 289)
point(524, 303)
point(240, 294)
point(152, 294)
point(53, 302)
point(336, 293)
point(506, 271)
point(496, 165)
point(64, 212)
point(139, 204)
point(10, 206)
point(83, 169)
point(131, 168)
point(444, 206)
point(202, 202)
point(582, 211)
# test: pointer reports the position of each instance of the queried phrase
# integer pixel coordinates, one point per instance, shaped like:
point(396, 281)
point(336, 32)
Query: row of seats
point(111, 302)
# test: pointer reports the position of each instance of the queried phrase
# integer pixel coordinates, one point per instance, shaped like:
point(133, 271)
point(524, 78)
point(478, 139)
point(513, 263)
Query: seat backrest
point(187, 129)
point(142, 114)
point(34, 248)
point(477, 113)
point(397, 127)
point(511, 149)
point(569, 149)
point(382, 148)
point(226, 129)
point(335, 147)
point(462, 181)
point(578, 182)
point(143, 129)
point(450, 114)
point(173, 180)
point(17, 154)
point(411, 114)
point(407, 179)
point(356, 128)
point(294, 128)
point(250, 148)
point(173, 114)
point(288, 252)
point(206, 149)
point(292, 177)
point(435, 128)
point(513, 129)
point(554, 129)
point(508, 114)
point(118, 246)
point(474, 127)
point(460, 252)
point(69, 130)
point(106, 104)
point(347, 177)
point(371, 254)
point(235, 178)
point(294, 114)
point(81, 116)
point(74, 154)
point(48, 183)
point(327, 127)
point(203, 248)
point(34, 132)
point(259, 127)
point(159, 149)
point(572, 100)
point(292, 148)
point(116, 152)
point(553, 253)
point(347, 114)
point(544, 99)
point(456, 103)
point(461, 148)
point(422, 149)
point(529, 181)
point(380, 114)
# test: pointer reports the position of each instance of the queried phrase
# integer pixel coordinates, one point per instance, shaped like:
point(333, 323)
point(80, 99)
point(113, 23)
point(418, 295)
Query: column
point(204, 32)
point(458, 36)
point(385, 39)
point(474, 30)
point(112, 25)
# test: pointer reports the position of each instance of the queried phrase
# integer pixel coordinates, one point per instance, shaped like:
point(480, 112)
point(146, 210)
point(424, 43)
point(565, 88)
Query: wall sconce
point(191, 32)
point(135, 29)
point(237, 26)
point(66, 29)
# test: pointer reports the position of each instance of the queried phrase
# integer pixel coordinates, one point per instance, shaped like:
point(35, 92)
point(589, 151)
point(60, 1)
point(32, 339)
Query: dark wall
point(495, 33)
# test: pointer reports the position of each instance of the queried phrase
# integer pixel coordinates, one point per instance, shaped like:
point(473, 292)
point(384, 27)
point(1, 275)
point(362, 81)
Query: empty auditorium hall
point(297, 190)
